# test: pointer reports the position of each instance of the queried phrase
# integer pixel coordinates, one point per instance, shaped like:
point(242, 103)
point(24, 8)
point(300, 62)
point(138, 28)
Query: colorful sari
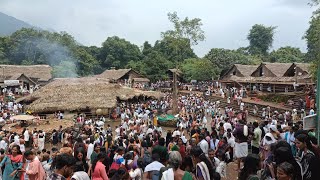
point(11, 164)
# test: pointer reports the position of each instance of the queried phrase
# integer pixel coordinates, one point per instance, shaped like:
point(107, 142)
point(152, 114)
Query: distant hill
point(10, 24)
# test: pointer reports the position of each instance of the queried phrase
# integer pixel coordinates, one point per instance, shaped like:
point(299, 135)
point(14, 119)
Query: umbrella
point(23, 117)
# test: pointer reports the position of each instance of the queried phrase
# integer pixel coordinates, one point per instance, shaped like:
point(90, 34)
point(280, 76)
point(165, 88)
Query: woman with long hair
point(96, 151)
point(204, 168)
point(283, 153)
point(306, 157)
point(250, 168)
point(12, 162)
point(98, 168)
point(79, 155)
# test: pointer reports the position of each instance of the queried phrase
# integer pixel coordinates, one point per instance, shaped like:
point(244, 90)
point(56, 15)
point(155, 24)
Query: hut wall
point(26, 80)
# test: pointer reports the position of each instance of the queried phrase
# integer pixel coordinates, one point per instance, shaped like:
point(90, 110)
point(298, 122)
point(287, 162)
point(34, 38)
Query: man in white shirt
point(203, 144)
point(3, 144)
point(26, 137)
point(153, 168)
point(90, 149)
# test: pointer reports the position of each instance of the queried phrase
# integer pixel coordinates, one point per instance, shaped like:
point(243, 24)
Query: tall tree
point(199, 69)
point(313, 43)
point(287, 55)
point(260, 38)
point(185, 29)
point(117, 52)
point(175, 50)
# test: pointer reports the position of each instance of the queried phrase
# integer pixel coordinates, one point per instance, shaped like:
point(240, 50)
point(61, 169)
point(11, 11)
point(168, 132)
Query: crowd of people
point(208, 137)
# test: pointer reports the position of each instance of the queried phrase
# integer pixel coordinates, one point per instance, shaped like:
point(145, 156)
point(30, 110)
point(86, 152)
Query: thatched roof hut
point(39, 72)
point(76, 94)
point(120, 74)
point(240, 70)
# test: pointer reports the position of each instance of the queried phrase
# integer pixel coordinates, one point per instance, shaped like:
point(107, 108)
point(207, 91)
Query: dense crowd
point(207, 138)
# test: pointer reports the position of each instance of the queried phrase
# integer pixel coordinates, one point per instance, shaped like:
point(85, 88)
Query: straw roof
point(179, 73)
point(114, 73)
point(278, 69)
point(72, 94)
point(41, 72)
point(246, 70)
point(303, 66)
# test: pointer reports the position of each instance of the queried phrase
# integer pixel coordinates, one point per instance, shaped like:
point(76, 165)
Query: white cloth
point(154, 166)
point(26, 135)
point(90, 150)
point(266, 142)
point(241, 150)
point(222, 169)
point(80, 175)
point(3, 144)
point(136, 174)
point(204, 170)
point(204, 146)
point(168, 174)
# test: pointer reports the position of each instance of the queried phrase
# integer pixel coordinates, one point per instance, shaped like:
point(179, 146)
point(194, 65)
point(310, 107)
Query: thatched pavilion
point(80, 94)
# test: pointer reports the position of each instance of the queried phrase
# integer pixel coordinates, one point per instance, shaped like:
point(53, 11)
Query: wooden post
point(174, 94)
point(274, 88)
point(318, 104)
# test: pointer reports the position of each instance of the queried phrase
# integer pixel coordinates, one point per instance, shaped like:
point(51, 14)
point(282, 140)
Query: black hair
point(62, 160)
point(162, 141)
point(250, 166)
point(99, 157)
point(304, 138)
point(198, 153)
point(79, 166)
point(79, 150)
point(28, 153)
point(18, 149)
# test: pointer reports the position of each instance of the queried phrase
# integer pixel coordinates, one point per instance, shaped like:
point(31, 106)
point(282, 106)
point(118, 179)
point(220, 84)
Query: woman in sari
point(12, 162)
point(204, 168)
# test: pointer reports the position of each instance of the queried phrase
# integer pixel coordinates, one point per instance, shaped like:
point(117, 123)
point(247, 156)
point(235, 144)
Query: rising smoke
point(40, 50)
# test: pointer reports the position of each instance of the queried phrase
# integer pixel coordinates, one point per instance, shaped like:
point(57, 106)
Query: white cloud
point(226, 23)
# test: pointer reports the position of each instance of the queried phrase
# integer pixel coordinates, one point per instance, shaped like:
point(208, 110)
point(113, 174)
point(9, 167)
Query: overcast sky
point(226, 22)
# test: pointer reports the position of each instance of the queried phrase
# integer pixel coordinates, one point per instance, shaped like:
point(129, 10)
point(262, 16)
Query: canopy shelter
point(24, 119)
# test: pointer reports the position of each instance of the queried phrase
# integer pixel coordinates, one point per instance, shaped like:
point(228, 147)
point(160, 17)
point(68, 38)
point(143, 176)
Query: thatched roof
point(40, 72)
point(278, 69)
point(70, 94)
point(178, 71)
point(304, 67)
point(246, 70)
point(114, 73)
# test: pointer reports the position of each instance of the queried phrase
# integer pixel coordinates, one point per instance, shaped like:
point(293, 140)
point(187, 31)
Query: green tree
point(260, 38)
point(175, 49)
point(287, 55)
point(153, 66)
point(146, 48)
point(185, 29)
point(118, 52)
point(313, 43)
point(199, 69)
